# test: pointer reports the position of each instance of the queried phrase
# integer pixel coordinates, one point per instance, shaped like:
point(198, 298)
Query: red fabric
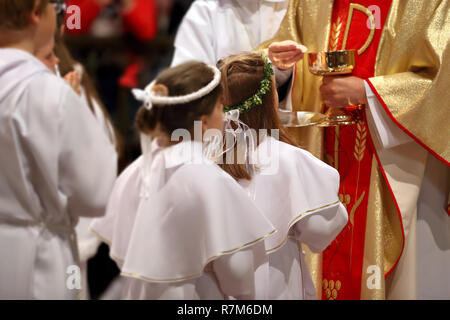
point(343, 259)
point(130, 77)
point(141, 20)
point(89, 11)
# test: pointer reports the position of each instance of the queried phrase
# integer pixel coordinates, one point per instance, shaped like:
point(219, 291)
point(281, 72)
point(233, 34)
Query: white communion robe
point(193, 233)
point(420, 184)
point(214, 29)
point(299, 195)
point(88, 243)
point(56, 165)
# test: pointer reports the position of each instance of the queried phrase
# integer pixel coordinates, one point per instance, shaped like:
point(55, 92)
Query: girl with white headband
point(177, 225)
point(296, 192)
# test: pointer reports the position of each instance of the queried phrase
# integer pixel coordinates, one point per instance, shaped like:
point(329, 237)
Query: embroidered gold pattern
point(369, 14)
point(335, 34)
point(345, 199)
point(360, 143)
point(355, 206)
point(331, 288)
point(329, 160)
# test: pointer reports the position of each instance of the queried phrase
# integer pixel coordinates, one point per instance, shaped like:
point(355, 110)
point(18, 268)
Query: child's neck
point(18, 40)
point(164, 141)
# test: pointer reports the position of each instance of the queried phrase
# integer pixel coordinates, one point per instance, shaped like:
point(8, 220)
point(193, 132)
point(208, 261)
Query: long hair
point(179, 81)
point(241, 79)
point(67, 64)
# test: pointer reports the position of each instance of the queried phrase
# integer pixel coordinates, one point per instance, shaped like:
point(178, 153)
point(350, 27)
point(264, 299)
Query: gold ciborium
point(335, 63)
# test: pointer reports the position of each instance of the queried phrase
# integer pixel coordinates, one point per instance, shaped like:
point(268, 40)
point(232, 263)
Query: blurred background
point(123, 44)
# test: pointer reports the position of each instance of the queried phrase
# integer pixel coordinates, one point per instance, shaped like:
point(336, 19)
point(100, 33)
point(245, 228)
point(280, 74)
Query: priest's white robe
point(56, 165)
point(299, 195)
point(415, 177)
point(420, 184)
point(193, 233)
point(215, 29)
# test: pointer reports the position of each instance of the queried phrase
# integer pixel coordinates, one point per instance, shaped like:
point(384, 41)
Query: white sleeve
point(236, 274)
point(282, 76)
point(380, 125)
point(87, 160)
point(319, 229)
point(195, 36)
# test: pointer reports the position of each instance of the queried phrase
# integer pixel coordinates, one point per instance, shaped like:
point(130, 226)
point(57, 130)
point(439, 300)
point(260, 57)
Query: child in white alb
point(178, 226)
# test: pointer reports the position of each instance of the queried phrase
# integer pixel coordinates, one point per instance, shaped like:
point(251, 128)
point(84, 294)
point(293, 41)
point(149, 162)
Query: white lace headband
point(149, 97)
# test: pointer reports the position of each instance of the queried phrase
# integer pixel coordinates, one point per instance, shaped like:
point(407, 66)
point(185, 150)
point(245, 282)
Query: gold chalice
point(335, 63)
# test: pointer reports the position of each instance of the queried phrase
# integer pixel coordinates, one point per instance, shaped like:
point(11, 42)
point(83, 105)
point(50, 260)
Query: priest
point(394, 165)
point(215, 29)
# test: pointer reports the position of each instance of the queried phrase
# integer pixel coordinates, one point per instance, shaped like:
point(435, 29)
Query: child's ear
point(35, 15)
point(205, 122)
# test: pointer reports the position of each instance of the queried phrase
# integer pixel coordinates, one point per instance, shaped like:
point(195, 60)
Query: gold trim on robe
point(383, 242)
point(193, 276)
point(313, 17)
point(411, 79)
point(412, 71)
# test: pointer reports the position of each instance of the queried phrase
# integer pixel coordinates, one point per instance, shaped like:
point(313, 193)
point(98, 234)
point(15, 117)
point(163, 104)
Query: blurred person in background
point(57, 164)
point(112, 18)
point(112, 43)
point(170, 14)
point(214, 29)
point(129, 24)
point(58, 59)
point(47, 56)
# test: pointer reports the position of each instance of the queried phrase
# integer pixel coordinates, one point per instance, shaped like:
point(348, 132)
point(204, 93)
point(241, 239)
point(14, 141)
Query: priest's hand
point(285, 54)
point(343, 91)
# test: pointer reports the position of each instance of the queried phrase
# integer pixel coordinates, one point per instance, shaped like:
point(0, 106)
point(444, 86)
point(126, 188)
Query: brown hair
point(179, 81)
point(14, 14)
point(241, 79)
point(67, 64)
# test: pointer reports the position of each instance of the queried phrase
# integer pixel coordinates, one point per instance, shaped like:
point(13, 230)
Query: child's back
point(56, 165)
point(178, 226)
point(298, 193)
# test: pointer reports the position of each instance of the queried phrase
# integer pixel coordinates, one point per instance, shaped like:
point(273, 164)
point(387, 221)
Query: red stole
point(349, 149)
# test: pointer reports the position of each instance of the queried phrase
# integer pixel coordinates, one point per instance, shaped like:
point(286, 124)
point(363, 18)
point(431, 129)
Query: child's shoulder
point(48, 84)
point(298, 156)
point(288, 151)
point(198, 182)
point(202, 174)
point(131, 171)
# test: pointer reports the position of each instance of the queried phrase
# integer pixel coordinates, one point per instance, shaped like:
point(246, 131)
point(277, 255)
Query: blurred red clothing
point(141, 20)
